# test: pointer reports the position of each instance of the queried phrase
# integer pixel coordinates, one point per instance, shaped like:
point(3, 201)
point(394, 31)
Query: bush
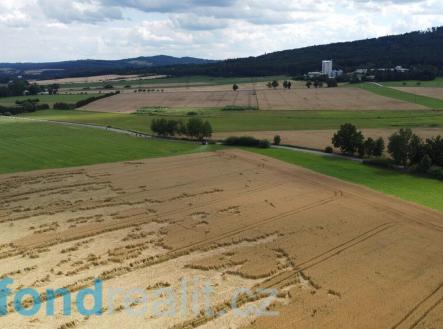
point(239, 108)
point(329, 149)
point(380, 162)
point(63, 106)
point(39, 107)
point(246, 141)
point(33, 100)
point(436, 172)
point(191, 113)
point(277, 140)
point(424, 165)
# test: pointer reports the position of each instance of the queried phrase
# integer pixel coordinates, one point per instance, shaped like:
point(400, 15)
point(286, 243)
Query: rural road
point(147, 136)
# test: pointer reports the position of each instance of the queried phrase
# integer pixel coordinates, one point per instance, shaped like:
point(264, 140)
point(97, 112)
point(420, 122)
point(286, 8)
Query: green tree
point(416, 150)
point(275, 84)
point(277, 140)
point(348, 139)
point(379, 147)
point(425, 164)
point(398, 146)
point(308, 84)
point(434, 147)
point(235, 87)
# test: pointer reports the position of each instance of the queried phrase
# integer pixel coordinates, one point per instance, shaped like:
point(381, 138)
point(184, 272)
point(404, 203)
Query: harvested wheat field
point(423, 91)
point(329, 99)
point(337, 255)
point(185, 99)
point(319, 139)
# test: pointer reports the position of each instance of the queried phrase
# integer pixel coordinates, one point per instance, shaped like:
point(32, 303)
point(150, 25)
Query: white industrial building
point(326, 68)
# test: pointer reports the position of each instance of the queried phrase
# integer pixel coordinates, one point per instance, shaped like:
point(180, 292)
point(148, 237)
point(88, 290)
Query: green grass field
point(424, 191)
point(413, 83)
point(201, 80)
point(429, 102)
point(45, 99)
point(225, 121)
point(26, 146)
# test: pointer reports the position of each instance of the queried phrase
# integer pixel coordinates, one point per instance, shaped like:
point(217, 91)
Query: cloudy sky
point(52, 30)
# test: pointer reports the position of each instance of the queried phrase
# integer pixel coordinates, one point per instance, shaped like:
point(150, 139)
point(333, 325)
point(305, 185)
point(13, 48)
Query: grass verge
point(424, 191)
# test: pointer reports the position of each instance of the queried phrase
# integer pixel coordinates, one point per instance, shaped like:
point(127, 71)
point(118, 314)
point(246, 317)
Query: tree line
point(194, 128)
point(406, 149)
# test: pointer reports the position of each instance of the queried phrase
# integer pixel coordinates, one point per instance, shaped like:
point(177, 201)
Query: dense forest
point(421, 49)
point(90, 67)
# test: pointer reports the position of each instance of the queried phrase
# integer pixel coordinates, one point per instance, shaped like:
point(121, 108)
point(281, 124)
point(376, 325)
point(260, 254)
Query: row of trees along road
point(406, 149)
point(194, 128)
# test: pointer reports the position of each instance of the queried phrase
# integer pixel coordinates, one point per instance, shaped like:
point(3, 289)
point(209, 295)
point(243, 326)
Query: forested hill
point(94, 67)
point(410, 49)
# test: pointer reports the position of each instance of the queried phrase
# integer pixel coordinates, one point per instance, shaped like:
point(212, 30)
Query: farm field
point(265, 99)
point(429, 91)
point(233, 219)
point(46, 99)
point(93, 79)
point(131, 102)
point(177, 81)
point(26, 146)
point(234, 121)
point(320, 139)
point(345, 98)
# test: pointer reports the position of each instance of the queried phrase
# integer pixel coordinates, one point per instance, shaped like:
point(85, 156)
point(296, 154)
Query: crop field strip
point(201, 244)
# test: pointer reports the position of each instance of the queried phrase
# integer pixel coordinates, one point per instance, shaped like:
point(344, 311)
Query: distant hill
point(95, 67)
point(421, 48)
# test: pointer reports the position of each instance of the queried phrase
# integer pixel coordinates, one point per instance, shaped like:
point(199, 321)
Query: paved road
point(147, 136)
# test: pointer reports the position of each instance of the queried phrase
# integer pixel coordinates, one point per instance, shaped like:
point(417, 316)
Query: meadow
point(26, 146)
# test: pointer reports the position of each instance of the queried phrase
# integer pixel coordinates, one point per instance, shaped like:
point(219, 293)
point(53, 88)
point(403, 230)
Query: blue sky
point(53, 30)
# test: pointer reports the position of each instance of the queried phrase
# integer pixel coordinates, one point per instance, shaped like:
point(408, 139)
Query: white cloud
point(41, 30)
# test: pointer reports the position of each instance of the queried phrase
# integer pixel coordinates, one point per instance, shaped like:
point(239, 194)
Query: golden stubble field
point(344, 98)
point(266, 99)
point(339, 255)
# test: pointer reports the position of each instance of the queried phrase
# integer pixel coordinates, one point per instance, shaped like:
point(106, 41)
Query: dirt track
point(341, 256)
point(319, 139)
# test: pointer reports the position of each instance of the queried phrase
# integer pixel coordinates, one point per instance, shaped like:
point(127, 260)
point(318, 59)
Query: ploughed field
point(264, 99)
point(339, 255)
